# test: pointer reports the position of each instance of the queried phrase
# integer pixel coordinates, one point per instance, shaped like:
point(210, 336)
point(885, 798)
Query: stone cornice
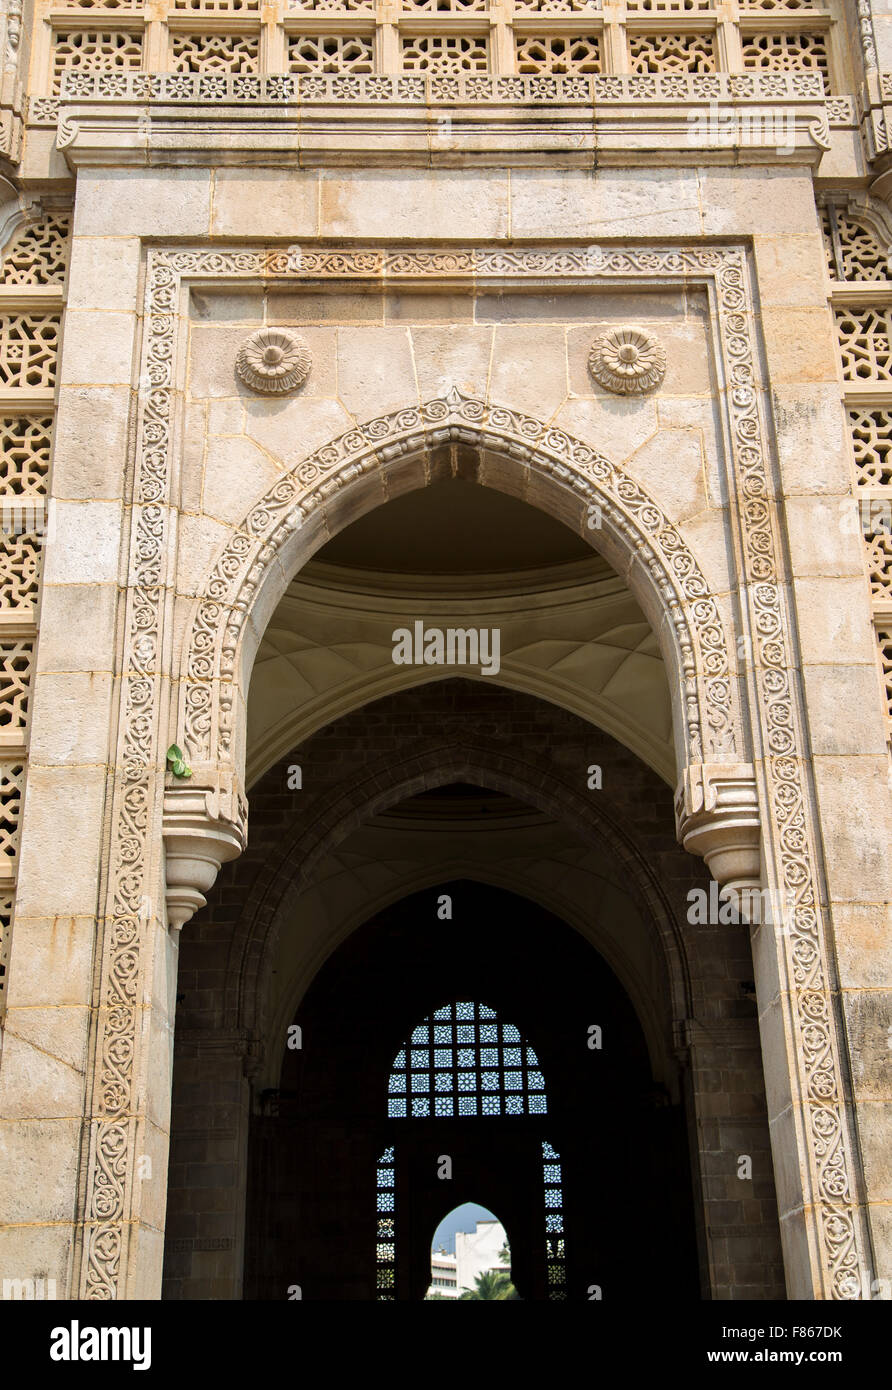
point(155, 119)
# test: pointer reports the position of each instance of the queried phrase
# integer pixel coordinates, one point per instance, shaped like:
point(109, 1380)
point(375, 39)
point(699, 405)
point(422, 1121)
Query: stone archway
point(231, 1044)
point(499, 448)
point(718, 801)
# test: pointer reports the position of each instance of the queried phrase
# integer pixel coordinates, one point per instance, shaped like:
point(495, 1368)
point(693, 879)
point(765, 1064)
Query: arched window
point(463, 1061)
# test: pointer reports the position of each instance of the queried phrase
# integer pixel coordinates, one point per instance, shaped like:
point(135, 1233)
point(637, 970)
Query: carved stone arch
point(517, 454)
point(285, 877)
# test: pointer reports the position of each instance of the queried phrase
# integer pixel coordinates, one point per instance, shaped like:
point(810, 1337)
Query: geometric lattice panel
point(110, 50)
point(672, 53)
point(28, 348)
point(463, 1061)
point(25, 444)
point(884, 638)
point(6, 905)
point(865, 343)
point(15, 683)
point(218, 6)
point(565, 54)
point(871, 432)
point(788, 53)
point(861, 255)
point(12, 783)
point(878, 540)
point(38, 254)
point(385, 1246)
point(329, 53)
point(20, 557)
point(216, 53)
point(555, 1250)
point(439, 53)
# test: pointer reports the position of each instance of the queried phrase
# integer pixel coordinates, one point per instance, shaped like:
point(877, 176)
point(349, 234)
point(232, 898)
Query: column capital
point(717, 817)
point(203, 828)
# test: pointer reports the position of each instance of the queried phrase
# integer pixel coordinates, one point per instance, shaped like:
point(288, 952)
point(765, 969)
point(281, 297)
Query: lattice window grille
point(330, 53)
point(28, 349)
point(853, 252)
point(216, 53)
point(12, 783)
point(555, 1248)
point(444, 6)
point(779, 6)
point(865, 342)
point(6, 909)
point(667, 6)
point(463, 1061)
point(20, 555)
point(38, 254)
point(564, 54)
point(884, 641)
point(557, 7)
point(105, 49)
point(871, 433)
point(15, 685)
point(877, 525)
point(216, 6)
point(787, 53)
point(443, 53)
point(127, 5)
point(25, 445)
point(385, 1245)
point(672, 53)
point(332, 6)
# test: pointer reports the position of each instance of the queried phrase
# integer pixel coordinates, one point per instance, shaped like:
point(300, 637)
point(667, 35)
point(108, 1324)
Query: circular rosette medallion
point(273, 360)
point(627, 361)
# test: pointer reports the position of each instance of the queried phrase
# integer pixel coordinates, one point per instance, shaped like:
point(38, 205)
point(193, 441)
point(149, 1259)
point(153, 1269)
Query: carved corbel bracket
point(203, 827)
point(717, 817)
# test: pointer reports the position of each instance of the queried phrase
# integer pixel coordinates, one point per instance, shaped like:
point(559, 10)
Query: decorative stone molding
point(423, 88)
point(202, 831)
point(867, 36)
point(824, 1179)
point(495, 118)
point(717, 817)
point(273, 361)
point(627, 361)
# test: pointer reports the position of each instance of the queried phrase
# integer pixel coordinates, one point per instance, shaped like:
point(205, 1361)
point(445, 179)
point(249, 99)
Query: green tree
point(493, 1286)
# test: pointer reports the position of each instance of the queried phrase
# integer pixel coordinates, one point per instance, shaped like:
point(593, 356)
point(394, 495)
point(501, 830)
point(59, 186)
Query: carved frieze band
point(425, 88)
point(789, 829)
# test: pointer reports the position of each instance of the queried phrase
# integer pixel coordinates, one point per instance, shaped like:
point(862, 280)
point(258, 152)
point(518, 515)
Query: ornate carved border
point(424, 88)
point(627, 511)
point(789, 831)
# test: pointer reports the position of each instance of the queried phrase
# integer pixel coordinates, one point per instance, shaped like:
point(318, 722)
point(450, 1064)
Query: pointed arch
point(497, 447)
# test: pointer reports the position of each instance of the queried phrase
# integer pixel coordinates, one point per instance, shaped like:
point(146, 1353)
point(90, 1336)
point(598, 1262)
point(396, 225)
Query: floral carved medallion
point(273, 360)
point(627, 361)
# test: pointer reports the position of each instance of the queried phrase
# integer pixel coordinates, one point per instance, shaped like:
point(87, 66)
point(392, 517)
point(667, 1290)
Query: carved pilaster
point(204, 828)
point(717, 817)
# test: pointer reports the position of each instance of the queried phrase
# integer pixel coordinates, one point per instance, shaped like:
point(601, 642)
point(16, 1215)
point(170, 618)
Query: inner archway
point(368, 794)
point(605, 1125)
